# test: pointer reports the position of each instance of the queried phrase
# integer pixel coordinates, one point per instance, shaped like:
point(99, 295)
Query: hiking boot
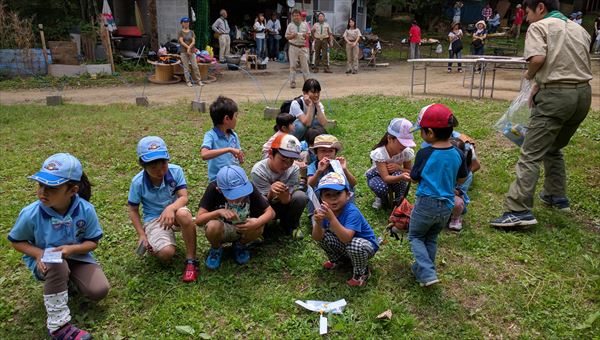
point(213, 260)
point(429, 283)
point(560, 203)
point(348, 71)
point(455, 224)
point(241, 253)
point(190, 273)
point(377, 204)
point(359, 280)
point(514, 219)
point(70, 332)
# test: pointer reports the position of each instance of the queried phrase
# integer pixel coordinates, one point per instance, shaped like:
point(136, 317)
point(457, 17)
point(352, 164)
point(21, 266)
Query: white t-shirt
point(380, 155)
point(296, 111)
point(260, 30)
point(458, 34)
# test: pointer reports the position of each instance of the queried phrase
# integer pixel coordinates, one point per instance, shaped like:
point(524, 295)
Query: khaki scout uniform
point(561, 104)
point(352, 52)
point(297, 50)
point(321, 34)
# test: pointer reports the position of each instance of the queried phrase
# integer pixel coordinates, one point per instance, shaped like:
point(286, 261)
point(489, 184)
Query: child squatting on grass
point(437, 169)
point(392, 160)
point(161, 189)
point(221, 145)
point(233, 211)
point(61, 221)
point(342, 231)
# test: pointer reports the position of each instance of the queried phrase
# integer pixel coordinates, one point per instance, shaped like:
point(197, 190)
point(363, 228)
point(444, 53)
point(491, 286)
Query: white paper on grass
point(322, 325)
point(51, 256)
point(313, 198)
point(335, 307)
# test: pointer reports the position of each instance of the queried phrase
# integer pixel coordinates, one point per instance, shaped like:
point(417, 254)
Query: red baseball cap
point(434, 116)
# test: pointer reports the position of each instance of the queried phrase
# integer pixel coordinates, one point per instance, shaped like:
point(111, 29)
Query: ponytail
point(85, 187)
point(382, 142)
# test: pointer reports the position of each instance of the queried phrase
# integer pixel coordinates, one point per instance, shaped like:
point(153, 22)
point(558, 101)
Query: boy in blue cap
point(162, 191)
point(221, 145)
point(341, 229)
point(233, 211)
point(57, 234)
point(437, 169)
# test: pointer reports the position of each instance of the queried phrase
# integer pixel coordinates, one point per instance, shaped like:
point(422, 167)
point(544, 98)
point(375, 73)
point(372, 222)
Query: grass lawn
point(539, 283)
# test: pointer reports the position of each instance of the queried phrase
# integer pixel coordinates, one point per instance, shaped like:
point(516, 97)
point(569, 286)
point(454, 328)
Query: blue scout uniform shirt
point(155, 199)
point(351, 218)
point(44, 228)
point(436, 170)
point(215, 139)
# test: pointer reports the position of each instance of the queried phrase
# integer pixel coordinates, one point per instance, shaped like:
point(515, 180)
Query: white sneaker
point(189, 84)
point(377, 203)
point(429, 283)
point(455, 224)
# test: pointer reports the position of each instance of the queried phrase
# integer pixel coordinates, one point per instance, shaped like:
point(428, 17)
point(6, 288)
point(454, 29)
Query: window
point(324, 5)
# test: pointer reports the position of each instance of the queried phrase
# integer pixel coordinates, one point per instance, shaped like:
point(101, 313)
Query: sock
point(57, 310)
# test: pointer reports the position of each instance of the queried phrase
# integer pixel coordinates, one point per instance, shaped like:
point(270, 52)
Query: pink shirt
point(415, 34)
point(519, 16)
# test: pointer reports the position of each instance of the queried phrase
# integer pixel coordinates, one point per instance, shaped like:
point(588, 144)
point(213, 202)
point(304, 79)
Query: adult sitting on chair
point(187, 39)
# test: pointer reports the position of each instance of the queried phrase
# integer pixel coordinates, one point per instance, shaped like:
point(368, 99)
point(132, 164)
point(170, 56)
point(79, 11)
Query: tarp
point(109, 20)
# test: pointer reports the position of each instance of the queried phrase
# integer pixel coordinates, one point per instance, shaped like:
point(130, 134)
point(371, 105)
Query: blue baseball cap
point(233, 182)
point(151, 148)
point(333, 181)
point(59, 169)
point(184, 19)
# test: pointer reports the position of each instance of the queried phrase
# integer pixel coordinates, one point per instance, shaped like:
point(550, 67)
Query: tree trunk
point(153, 25)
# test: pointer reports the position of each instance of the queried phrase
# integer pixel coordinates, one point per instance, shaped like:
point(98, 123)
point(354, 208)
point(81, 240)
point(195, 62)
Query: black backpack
point(285, 107)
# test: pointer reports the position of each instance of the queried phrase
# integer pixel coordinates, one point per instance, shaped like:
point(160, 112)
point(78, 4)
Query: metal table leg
point(412, 79)
point(425, 80)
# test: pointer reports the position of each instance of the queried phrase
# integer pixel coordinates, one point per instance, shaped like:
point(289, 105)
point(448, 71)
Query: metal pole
point(412, 79)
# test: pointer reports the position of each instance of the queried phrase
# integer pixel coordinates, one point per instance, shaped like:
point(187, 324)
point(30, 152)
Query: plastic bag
point(513, 123)
point(439, 49)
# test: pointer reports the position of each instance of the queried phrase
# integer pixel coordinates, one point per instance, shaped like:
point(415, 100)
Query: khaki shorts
point(158, 237)
point(230, 233)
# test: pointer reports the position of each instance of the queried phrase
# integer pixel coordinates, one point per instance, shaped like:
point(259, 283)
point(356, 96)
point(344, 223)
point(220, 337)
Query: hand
point(227, 214)
point(294, 36)
point(343, 162)
point(189, 49)
point(66, 250)
point(323, 165)
point(250, 224)
point(327, 211)
point(318, 216)
point(534, 90)
point(167, 218)
point(392, 167)
point(238, 154)
point(41, 266)
point(278, 188)
point(307, 100)
point(405, 176)
point(147, 245)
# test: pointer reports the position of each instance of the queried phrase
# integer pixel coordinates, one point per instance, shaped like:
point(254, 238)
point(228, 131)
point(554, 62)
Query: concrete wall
point(169, 13)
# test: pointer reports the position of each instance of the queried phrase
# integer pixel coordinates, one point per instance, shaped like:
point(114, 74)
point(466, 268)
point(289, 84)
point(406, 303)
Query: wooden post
point(153, 25)
point(41, 27)
point(109, 48)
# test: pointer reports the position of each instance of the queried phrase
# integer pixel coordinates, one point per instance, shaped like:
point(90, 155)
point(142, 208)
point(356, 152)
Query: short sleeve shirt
point(566, 48)
point(187, 36)
point(301, 29)
point(296, 111)
point(321, 31)
point(44, 228)
point(213, 200)
point(437, 170)
point(263, 177)
point(415, 34)
point(152, 198)
point(351, 218)
point(380, 155)
point(215, 139)
point(352, 34)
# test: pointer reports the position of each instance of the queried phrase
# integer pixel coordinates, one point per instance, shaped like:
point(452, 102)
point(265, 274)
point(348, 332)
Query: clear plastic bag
point(513, 123)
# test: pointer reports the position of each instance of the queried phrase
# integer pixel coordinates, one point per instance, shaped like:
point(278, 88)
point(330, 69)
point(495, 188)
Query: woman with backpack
point(308, 111)
point(455, 48)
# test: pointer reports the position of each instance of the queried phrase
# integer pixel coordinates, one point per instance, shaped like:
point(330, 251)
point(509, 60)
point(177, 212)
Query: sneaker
point(514, 219)
point(213, 260)
point(328, 71)
point(359, 280)
point(190, 273)
point(329, 265)
point(449, 71)
point(241, 252)
point(560, 203)
point(293, 85)
point(377, 204)
point(455, 224)
point(354, 72)
point(68, 332)
point(460, 71)
point(316, 70)
point(297, 234)
point(189, 84)
point(348, 71)
point(429, 283)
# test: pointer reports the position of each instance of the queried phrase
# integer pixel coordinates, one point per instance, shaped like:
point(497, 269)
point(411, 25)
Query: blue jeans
point(272, 46)
point(260, 48)
point(457, 55)
point(428, 218)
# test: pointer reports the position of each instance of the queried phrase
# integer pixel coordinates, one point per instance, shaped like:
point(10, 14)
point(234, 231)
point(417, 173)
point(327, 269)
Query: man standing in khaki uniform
point(221, 28)
point(297, 33)
point(322, 36)
point(559, 63)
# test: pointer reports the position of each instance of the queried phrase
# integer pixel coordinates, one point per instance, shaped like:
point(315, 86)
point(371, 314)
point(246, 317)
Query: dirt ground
point(271, 84)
